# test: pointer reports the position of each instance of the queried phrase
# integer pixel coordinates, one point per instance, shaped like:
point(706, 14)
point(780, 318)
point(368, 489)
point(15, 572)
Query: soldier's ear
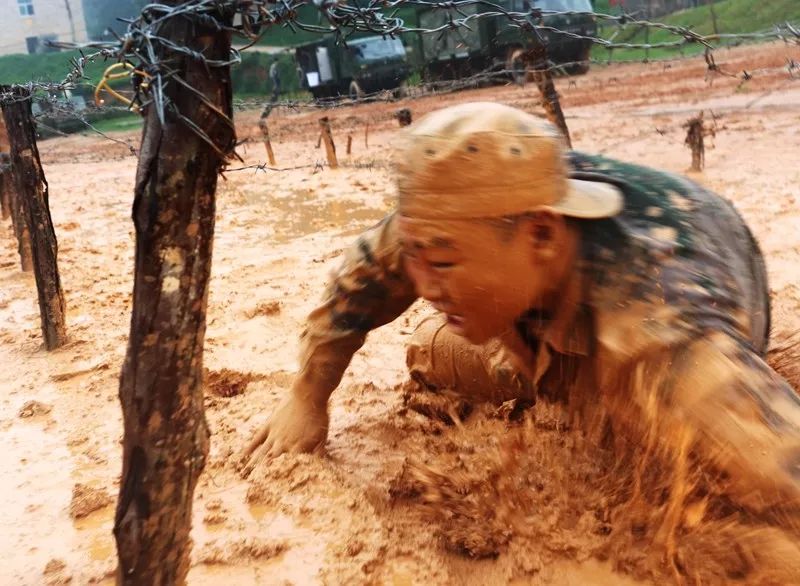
point(546, 234)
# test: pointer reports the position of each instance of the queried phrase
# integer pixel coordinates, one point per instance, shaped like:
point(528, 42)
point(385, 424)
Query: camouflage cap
point(483, 160)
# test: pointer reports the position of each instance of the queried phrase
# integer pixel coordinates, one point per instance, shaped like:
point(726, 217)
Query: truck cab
point(495, 44)
point(365, 65)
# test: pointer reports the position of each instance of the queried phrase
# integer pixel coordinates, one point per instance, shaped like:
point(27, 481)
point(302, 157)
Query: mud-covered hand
point(296, 426)
point(369, 289)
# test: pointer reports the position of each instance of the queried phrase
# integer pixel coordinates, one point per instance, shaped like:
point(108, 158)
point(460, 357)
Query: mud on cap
point(484, 160)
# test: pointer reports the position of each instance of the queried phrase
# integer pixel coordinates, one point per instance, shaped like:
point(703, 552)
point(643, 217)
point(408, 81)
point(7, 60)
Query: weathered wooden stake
point(544, 81)
point(30, 201)
point(327, 138)
point(695, 140)
point(349, 143)
point(403, 116)
point(366, 136)
point(165, 442)
point(262, 124)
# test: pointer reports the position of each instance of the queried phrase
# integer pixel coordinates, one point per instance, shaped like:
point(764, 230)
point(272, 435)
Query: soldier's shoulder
point(633, 178)
point(650, 194)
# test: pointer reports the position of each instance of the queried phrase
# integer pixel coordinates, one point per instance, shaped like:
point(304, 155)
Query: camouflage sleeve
point(716, 397)
point(369, 289)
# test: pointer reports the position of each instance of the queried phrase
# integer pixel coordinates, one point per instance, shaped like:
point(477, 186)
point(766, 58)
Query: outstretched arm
point(368, 290)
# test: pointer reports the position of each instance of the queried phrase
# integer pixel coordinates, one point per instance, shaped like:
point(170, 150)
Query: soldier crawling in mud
point(560, 274)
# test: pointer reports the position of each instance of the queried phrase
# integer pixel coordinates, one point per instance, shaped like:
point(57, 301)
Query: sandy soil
point(354, 515)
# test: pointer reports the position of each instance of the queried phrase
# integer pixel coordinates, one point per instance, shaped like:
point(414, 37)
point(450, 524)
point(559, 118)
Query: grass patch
point(124, 123)
point(44, 67)
point(732, 16)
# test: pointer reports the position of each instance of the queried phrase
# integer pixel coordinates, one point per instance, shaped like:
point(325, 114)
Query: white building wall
point(49, 20)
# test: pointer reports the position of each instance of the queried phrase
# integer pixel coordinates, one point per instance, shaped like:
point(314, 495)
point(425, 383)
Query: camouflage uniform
point(670, 301)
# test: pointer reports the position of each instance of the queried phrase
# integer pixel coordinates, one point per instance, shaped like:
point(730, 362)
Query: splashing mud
point(546, 489)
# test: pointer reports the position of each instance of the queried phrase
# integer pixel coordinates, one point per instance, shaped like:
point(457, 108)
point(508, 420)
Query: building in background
point(27, 25)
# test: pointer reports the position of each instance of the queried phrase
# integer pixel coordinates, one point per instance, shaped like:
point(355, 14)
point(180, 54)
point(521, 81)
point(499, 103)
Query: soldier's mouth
point(455, 320)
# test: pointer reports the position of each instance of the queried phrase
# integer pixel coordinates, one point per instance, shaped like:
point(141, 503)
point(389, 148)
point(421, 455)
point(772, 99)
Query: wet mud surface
point(398, 497)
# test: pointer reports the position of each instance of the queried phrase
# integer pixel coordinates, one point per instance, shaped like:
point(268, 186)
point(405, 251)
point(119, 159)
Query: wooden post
point(695, 140)
point(349, 143)
point(165, 442)
point(262, 124)
point(32, 210)
point(544, 81)
point(327, 138)
point(403, 116)
point(366, 136)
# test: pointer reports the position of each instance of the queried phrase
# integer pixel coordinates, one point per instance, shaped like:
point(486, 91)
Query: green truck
point(493, 43)
point(369, 63)
point(365, 65)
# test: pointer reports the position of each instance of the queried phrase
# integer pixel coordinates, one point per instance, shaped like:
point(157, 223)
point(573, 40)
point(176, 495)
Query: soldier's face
point(480, 279)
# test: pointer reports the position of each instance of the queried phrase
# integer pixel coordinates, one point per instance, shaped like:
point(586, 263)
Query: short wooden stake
point(327, 138)
point(403, 116)
point(695, 140)
point(262, 124)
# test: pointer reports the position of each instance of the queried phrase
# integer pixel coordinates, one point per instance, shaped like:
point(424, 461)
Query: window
point(25, 7)
point(33, 44)
point(374, 48)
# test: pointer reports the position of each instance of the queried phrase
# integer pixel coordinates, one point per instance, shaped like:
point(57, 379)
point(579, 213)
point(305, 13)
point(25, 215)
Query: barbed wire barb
point(142, 42)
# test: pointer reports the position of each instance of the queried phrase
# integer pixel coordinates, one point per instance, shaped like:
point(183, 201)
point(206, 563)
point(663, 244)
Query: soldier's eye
point(442, 265)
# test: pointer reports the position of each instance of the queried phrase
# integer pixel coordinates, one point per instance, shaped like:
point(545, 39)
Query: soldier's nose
point(429, 289)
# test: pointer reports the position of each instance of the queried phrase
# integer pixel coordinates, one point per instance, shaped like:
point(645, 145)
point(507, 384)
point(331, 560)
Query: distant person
point(275, 78)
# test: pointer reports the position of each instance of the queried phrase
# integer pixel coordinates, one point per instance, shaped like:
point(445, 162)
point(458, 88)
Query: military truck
point(367, 64)
point(493, 43)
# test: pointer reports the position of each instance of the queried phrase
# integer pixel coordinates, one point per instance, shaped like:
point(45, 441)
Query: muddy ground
point(355, 515)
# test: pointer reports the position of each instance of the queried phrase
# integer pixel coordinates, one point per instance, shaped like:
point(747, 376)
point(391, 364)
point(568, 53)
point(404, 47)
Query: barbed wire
point(252, 19)
point(56, 109)
point(345, 20)
point(76, 75)
point(318, 165)
point(479, 79)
